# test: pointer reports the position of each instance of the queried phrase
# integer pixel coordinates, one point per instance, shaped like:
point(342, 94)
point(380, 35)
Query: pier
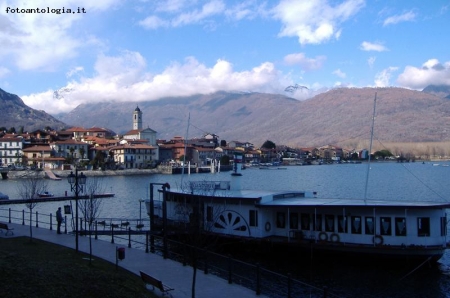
point(53, 199)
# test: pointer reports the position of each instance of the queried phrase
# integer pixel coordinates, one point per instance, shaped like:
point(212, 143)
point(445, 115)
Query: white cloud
point(41, 40)
point(431, 72)
point(405, 17)
point(383, 77)
point(124, 78)
point(370, 46)
point(339, 73)
point(314, 22)
point(371, 61)
point(306, 63)
point(3, 71)
point(181, 17)
point(74, 70)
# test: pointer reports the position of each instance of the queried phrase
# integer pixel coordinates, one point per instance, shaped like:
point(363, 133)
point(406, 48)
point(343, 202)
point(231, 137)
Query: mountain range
point(15, 113)
point(342, 115)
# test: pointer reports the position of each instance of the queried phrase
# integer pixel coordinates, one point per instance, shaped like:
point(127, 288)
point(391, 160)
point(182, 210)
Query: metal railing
point(120, 231)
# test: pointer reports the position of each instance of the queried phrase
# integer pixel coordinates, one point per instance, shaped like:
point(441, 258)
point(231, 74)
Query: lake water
point(400, 181)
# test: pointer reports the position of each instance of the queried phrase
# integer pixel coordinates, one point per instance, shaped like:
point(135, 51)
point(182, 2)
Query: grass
point(40, 269)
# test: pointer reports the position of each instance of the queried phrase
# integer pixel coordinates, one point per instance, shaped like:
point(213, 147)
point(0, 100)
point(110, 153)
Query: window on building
point(370, 225)
point(329, 223)
point(253, 216)
point(385, 226)
point(400, 226)
point(281, 220)
point(356, 226)
point(293, 220)
point(423, 226)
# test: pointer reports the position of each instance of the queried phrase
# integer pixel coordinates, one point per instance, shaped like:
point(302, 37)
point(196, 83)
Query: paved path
point(168, 271)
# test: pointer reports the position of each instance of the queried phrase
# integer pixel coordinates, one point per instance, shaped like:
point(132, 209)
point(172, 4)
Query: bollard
point(37, 221)
point(51, 222)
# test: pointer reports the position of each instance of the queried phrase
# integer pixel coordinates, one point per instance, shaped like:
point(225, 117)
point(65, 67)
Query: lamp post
point(140, 210)
point(77, 183)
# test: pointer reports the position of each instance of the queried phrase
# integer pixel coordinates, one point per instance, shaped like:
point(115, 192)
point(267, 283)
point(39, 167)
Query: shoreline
point(89, 173)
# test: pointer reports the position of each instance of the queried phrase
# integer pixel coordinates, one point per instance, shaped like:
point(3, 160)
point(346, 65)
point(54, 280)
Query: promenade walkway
point(168, 271)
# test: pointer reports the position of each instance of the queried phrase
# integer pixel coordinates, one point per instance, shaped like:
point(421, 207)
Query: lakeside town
point(138, 149)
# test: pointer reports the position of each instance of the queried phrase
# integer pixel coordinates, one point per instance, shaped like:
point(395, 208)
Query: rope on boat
point(411, 272)
point(405, 276)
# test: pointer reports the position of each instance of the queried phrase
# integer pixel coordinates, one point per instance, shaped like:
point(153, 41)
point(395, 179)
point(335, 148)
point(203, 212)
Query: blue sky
point(145, 50)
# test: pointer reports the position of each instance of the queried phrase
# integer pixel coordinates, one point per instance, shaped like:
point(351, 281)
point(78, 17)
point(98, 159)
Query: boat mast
point(370, 146)
point(185, 149)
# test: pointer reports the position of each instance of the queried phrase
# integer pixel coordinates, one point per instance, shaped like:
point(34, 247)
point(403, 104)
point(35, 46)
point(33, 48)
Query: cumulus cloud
point(405, 17)
point(339, 73)
point(370, 46)
point(306, 63)
point(383, 77)
point(125, 77)
point(41, 40)
point(431, 72)
point(314, 22)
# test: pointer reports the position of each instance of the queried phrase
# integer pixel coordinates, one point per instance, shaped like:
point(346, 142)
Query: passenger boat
point(300, 219)
point(4, 196)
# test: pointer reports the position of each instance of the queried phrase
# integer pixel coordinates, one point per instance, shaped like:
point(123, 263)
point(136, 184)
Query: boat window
point(370, 225)
point(356, 225)
point(423, 226)
point(293, 220)
point(317, 224)
point(385, 226)
point(281, 220)
point(342, 224)
point(209, 213)
point(253, 216)
point(329, 223)
point(400, 226)
point(444, 226)
point(305, 220)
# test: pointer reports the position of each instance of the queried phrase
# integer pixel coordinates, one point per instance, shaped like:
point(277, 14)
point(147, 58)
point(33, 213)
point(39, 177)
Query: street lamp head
point(82, 179)
point(71, 178)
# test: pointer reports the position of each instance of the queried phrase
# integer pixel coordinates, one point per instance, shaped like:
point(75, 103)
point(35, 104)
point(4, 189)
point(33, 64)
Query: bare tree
point(29, 189)
point(199, 226)
point(90, 207)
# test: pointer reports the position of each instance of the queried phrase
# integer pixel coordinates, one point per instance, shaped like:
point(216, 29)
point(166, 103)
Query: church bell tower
point(137, 119)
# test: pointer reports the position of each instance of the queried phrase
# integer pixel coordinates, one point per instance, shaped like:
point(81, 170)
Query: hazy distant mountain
point(438, 90)
point(14, 113)
point(337, 116)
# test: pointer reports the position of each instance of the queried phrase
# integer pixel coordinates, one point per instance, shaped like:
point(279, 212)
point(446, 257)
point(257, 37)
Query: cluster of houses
point(139, 148)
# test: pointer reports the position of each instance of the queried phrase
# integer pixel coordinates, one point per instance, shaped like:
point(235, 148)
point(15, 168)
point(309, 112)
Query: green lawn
point(41, 269)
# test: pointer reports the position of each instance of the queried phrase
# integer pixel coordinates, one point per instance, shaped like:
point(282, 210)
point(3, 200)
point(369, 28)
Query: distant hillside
point(14, 113)
point(438, 90)
point(336, 117)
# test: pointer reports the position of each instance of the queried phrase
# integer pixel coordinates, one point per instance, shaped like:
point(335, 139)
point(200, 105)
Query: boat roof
point(291, 201)
point(327, 202)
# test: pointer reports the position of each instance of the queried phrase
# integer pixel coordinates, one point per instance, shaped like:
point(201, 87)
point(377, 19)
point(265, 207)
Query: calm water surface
point(407, 181)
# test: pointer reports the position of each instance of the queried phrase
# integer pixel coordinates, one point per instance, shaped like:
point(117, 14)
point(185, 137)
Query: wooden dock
point(53, 199)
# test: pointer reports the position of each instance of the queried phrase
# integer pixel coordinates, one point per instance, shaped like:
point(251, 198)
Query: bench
point(150, 280)
point(4, 226)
